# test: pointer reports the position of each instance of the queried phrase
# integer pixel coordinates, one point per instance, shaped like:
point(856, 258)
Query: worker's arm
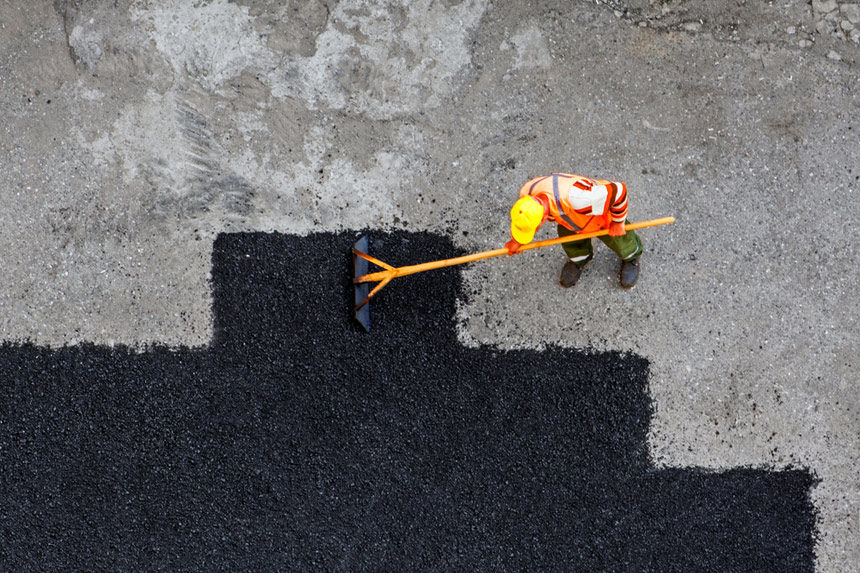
point(513, 247)
point(618, 209)
point(618, 204)
point(616, 229)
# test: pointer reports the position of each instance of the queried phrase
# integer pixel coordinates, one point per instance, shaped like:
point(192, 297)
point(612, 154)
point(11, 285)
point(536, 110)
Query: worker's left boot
point(629, 273)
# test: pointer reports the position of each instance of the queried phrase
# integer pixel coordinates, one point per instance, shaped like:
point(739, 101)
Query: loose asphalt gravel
point(296, 441)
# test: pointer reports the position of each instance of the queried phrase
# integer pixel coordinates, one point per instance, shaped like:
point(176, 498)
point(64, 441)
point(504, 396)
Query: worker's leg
point(579, 253)
point(629, 248)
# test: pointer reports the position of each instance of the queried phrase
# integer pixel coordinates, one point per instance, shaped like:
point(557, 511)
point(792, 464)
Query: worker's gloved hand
point(616, 229)
point(513, 247)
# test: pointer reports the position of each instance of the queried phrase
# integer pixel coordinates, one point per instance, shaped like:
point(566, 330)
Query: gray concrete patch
point(137, 131)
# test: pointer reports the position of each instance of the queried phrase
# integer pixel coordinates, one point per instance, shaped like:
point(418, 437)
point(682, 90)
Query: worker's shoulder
point(555, 175)
point(597, 180)
point(547, 183)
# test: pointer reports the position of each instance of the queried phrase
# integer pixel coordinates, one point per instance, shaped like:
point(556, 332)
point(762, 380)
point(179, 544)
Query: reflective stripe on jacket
point(581, 209)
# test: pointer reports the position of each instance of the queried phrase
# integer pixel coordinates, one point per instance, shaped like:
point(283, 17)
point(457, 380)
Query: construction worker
point(578, 205)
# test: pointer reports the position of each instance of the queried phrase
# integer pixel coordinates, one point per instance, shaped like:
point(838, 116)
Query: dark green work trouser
point(628, 246)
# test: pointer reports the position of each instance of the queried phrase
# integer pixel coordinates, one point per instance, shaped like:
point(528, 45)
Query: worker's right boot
point(571, 272)
point(629, 273)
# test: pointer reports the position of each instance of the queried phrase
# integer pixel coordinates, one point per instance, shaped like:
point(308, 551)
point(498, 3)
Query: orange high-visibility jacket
point(581, 210)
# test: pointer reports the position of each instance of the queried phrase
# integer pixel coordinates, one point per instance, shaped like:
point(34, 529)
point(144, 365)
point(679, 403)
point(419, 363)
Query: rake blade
point(360, 267)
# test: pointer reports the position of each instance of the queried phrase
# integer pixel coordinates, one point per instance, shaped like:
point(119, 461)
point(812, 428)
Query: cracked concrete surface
point(135, 132)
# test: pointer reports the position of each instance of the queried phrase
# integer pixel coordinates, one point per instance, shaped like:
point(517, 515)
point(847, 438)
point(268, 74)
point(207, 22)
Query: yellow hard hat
point(526, 217)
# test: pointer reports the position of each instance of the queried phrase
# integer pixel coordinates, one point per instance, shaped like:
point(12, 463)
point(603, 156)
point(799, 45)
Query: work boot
point(571, 272)
point(629, 272)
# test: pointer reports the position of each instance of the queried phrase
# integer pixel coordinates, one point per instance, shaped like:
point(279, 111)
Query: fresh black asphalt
point(296, 441)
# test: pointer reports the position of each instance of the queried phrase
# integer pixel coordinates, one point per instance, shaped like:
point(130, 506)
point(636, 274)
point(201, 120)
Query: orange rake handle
point(384, 277)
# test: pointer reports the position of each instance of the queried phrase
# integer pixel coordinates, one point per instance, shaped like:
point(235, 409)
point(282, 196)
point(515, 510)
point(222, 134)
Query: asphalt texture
point(296, 441)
